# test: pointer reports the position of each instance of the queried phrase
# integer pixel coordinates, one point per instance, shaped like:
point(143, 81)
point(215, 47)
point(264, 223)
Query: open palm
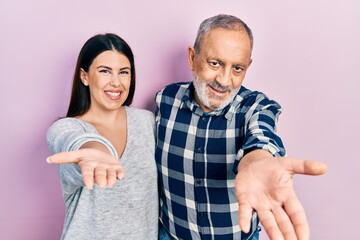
point(266, 186)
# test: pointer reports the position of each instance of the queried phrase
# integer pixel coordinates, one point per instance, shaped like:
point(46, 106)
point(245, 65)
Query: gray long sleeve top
point(129, 210)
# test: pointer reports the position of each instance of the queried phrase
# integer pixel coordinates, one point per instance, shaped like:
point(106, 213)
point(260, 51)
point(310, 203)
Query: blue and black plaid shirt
point(197, 155)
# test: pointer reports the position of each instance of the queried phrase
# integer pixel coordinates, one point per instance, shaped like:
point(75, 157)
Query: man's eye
point(214, 63)
point(238, 69)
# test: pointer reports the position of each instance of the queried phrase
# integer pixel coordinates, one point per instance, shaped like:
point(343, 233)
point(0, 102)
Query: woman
point(107, 143)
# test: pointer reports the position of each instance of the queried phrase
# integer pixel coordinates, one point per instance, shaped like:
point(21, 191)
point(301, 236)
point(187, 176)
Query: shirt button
point(203, 118)
point(199, 150)
point(198, 182)
point(202, 214)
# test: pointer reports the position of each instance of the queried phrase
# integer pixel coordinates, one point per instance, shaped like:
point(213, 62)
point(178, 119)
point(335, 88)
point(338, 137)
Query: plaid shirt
point(197, 155)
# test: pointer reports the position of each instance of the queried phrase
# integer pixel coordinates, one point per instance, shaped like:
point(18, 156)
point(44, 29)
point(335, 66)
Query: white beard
point(211, 101)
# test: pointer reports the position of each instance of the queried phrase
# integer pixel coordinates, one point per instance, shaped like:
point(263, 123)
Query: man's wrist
point(253, 156)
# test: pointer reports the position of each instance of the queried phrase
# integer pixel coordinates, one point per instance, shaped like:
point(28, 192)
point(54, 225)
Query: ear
point(191, 56)
point(83, 77)
point(250, 61)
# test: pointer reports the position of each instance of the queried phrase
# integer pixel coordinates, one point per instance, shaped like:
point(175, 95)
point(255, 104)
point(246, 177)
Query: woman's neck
point(107, 118)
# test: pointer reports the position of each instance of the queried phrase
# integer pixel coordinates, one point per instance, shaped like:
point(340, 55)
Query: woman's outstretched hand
point(96, 166)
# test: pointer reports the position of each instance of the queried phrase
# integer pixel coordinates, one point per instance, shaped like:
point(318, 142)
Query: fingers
point(284, 223)
point(111, 177)
point(315, 167)
point(288, 222)
point(120, 172)
point(297, 215)
point(101, 176)
point(308, 167)
point(65, 157)
point(87, 173)
point(269, 223)
point(104, 175)
point(245, 215)
point(76, 156)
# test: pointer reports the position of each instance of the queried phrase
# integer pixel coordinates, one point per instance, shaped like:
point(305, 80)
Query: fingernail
point(48, 160)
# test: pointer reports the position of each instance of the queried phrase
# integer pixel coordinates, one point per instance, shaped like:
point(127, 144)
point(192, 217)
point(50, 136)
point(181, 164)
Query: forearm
point(95, 145)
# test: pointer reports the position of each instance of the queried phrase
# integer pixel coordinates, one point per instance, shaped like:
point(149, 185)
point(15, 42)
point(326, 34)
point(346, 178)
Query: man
point(219, 159)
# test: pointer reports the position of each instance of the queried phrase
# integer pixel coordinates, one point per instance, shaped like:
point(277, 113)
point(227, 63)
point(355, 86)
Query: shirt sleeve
point(260, 127)
point(69, 134)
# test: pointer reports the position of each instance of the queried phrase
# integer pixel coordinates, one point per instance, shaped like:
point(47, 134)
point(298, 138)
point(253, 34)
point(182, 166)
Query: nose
point(224, 77)
point(115, 81)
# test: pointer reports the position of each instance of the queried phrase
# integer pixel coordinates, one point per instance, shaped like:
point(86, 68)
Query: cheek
point(125, 81)
point(128, 82)
point(202, 70)
point(237, 84)
point(237, 81)
point(206, 74)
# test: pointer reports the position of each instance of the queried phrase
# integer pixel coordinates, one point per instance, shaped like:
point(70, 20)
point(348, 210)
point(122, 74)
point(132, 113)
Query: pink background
point(306, 56)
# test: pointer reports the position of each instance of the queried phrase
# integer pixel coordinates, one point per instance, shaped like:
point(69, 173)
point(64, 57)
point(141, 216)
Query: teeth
point(113, 94)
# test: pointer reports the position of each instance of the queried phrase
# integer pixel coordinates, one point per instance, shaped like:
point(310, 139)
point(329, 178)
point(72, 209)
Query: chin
point(219, 105)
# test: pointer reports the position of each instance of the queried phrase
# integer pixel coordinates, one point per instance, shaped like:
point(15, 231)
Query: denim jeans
point(164, 235)
point(256, 236)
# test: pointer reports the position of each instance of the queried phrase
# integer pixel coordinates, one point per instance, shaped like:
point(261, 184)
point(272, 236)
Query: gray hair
point(221, 21)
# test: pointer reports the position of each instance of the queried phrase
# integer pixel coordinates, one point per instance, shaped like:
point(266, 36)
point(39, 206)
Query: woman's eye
point(124, 72)
point(104, 71)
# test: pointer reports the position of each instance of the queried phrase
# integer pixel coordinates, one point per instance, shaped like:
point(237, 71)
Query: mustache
point(217, 86)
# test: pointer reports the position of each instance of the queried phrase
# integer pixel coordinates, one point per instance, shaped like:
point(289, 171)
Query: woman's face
point(109, 79)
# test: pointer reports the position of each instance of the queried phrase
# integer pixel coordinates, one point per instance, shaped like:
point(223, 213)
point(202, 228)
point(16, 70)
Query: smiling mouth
point(112, 94)
point(220, 91)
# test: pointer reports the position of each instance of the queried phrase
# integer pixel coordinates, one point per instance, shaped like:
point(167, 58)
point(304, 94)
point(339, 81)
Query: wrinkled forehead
point(222, 35)
point(222, 39)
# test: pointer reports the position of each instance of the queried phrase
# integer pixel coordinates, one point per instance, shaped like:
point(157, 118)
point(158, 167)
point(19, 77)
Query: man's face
point(220, 67)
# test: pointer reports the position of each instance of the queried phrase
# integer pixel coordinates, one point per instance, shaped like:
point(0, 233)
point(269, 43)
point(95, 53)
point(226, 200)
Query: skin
point(220, 67)
point(264, 183)
point(108, 79)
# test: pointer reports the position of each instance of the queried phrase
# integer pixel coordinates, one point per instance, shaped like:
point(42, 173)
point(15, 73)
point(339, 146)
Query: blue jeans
point(164, 235)
point(256, 235)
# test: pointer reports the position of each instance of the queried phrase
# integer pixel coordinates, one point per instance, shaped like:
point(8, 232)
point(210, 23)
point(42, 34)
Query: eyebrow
point(222, 63)
point(109, 68)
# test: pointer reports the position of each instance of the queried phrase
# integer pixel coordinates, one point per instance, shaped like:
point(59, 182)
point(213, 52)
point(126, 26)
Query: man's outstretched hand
point(264, 183)
point(96, 166)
